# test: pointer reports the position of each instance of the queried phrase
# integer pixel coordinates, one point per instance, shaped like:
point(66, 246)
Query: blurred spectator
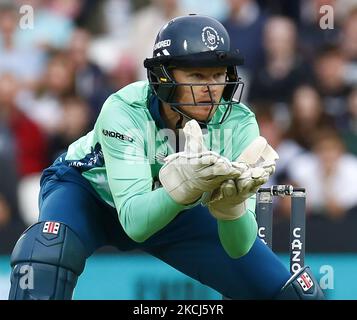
point(91, 17)
point(68, 8)
point(245, 25)
point(349, 36)
point(90, 82)
point(124, 73)
point(117, 14)
point(349, 132)
point(29, 142)
point(52, 30)
point(330, 70)
point(307, 115)
point(75, 123)
point(290, 9)
point(29, 145)
point(328, 174)
point(284, 69)
point(113, 36)
point(145, 25)
point(274, 132)
point(349, 46)
point(44, 108)
point(311, 35)
point(25, 63)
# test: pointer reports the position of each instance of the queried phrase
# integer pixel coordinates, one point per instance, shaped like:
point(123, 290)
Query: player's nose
point(210, 90)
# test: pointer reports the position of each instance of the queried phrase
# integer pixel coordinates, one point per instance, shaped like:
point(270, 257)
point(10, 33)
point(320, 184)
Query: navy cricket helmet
point(193, 41)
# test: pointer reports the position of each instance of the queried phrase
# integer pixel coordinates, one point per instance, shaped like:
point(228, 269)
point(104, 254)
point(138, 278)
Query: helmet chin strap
point(179, 122)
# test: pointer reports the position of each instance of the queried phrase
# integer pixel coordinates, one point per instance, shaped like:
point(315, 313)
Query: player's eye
point(196, 76)
point(220, 76)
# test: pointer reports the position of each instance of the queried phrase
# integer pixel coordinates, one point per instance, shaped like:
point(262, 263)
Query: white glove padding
point(228, 201)
point(186, 175)
point(259, 154)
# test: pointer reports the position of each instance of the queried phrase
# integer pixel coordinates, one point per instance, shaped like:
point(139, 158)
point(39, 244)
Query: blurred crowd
point(300, 79)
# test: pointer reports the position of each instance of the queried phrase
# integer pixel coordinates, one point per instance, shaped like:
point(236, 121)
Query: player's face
point(215, 77)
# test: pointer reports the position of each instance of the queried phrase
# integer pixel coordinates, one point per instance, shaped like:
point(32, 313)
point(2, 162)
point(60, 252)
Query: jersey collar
point(154, 109)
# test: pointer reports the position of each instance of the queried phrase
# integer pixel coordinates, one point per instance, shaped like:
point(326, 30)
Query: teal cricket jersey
point(121, 158)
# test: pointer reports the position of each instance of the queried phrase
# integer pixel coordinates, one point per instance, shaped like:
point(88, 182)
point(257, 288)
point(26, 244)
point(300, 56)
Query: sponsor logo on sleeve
point(117, 135)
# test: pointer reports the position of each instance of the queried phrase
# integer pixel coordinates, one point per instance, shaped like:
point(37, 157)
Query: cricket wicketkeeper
point(171, 167)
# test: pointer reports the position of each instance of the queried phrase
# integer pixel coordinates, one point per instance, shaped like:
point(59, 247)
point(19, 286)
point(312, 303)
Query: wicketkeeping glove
point(228, 202)
point(186, 175)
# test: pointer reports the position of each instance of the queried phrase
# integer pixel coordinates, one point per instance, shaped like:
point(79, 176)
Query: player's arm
point(238, 235)
point(141, 211)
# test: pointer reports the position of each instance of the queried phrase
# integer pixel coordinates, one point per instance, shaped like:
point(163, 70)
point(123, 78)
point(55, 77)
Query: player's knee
point(46, 261)
point(301, 286)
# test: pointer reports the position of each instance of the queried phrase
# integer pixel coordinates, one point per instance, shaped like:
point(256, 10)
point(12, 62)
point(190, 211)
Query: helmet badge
point(210, 38)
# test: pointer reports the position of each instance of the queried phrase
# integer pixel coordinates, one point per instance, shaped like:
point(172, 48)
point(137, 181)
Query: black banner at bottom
point(172, 309)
